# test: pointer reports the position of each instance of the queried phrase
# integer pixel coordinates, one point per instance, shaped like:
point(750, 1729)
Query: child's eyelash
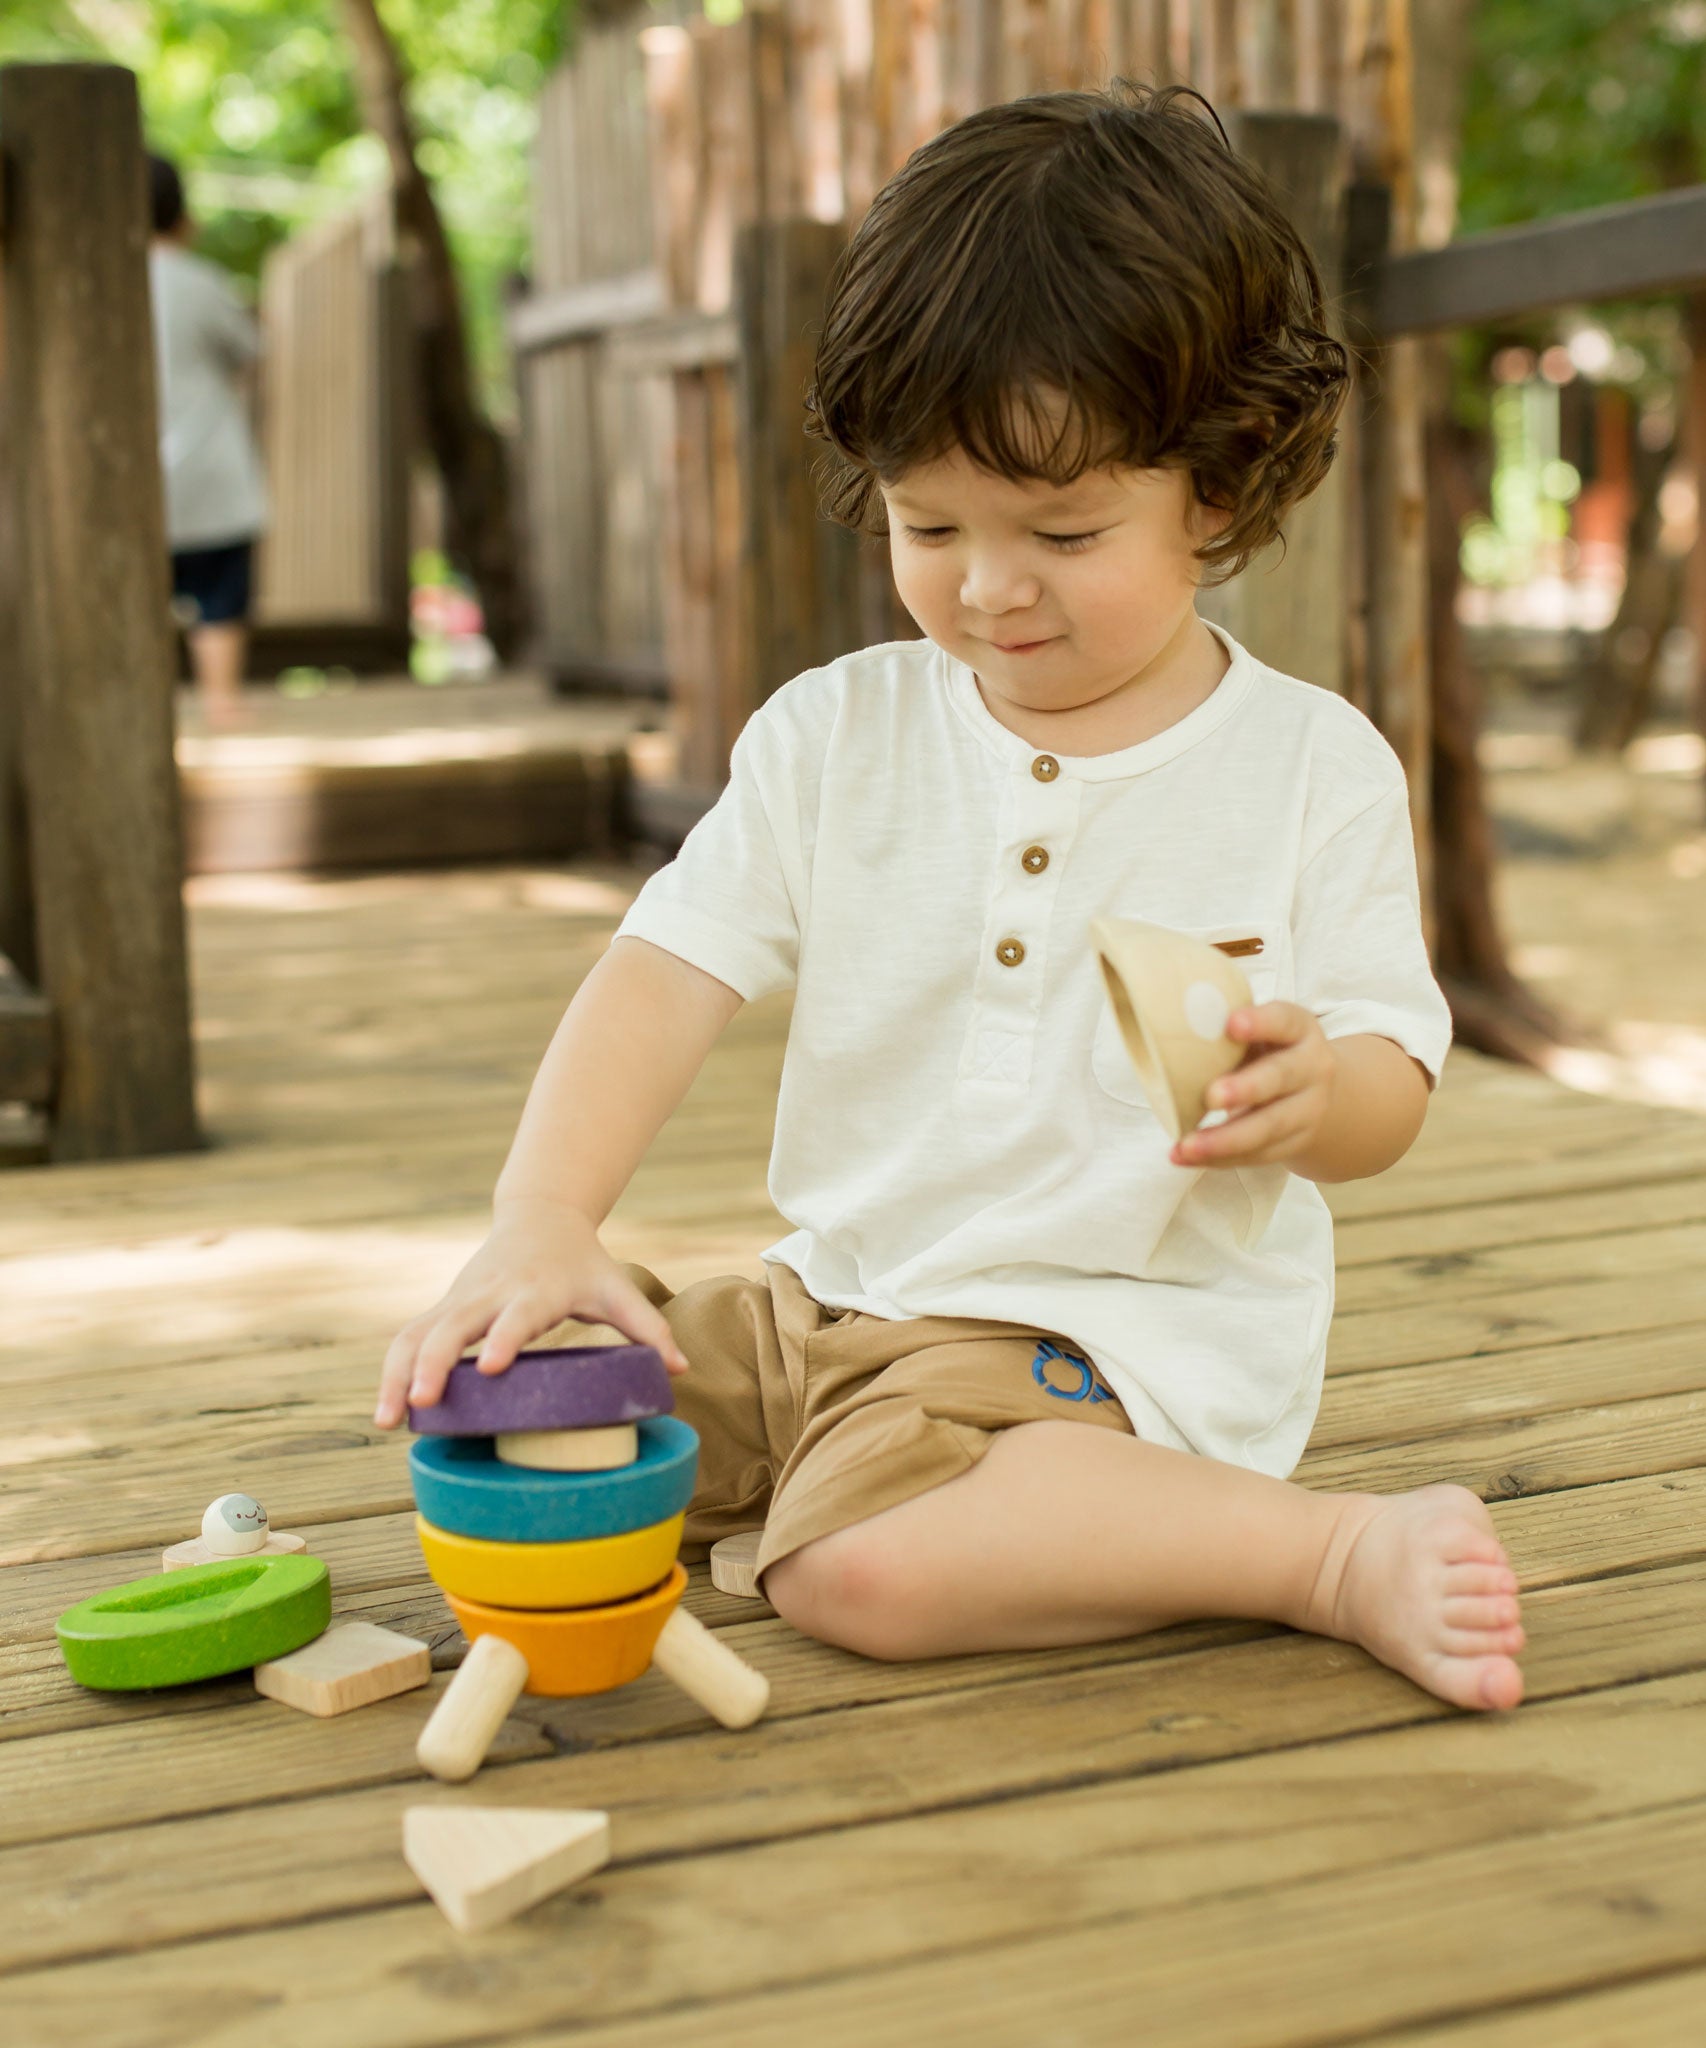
point(1068, 543)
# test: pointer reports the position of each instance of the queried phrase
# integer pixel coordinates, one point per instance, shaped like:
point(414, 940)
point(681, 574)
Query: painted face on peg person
point(234, 1524)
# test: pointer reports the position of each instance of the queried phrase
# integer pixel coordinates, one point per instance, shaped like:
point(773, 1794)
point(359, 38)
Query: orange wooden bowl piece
point(577, 1650)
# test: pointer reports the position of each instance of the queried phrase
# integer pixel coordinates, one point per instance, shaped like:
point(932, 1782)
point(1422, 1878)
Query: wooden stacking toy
point(562, 1572)
point(1172, 995)
point(201, 1622)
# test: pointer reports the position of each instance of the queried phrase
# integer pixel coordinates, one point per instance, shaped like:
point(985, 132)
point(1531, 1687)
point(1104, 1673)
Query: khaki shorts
point(810, 1418)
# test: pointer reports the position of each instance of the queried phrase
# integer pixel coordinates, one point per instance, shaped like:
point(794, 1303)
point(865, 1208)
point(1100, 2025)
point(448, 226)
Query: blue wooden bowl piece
point(462, 1485)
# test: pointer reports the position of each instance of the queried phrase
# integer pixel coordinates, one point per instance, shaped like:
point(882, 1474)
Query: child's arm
point(626, 1052)
point(1329, 1108)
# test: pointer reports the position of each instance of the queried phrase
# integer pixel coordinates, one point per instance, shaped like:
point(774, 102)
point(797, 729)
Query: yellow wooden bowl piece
point(550, 1575)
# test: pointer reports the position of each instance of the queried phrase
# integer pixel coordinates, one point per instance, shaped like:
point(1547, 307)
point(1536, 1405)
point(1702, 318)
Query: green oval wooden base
point(197, 1623)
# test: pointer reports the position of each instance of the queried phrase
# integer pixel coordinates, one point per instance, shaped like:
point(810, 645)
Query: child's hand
point(542, 1262)
point(1278, 1097)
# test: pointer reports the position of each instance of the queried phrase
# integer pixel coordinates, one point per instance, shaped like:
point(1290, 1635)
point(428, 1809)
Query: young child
point(1024, 1372)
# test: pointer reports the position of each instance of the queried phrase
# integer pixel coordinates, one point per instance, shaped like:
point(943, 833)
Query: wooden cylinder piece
point(726, 1686)
point(454, 1742)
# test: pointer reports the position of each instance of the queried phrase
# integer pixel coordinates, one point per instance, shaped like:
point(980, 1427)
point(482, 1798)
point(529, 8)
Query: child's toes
point(1499, 1683)
point(1483, 1579)
point(1481, 1611)
point(1490, 1683)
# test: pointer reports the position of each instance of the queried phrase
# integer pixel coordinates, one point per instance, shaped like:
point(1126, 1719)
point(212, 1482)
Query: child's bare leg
point(1064, 1534)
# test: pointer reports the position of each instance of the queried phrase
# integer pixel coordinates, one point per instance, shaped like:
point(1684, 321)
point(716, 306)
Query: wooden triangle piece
point(485, 1864)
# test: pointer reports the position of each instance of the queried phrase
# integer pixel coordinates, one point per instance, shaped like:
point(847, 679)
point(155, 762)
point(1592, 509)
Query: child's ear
point(1208, 522)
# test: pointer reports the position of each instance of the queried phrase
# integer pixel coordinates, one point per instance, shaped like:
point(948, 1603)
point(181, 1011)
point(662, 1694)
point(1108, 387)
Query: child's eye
point(1065, 541)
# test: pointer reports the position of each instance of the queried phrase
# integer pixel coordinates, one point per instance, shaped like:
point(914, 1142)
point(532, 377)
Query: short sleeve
point(1360, 958)
point(733, 900)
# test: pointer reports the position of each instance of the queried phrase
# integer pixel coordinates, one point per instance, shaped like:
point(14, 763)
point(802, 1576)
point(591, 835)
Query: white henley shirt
point(957, 1136)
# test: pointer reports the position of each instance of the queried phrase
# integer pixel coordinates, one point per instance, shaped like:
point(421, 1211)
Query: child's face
point(1055, 597)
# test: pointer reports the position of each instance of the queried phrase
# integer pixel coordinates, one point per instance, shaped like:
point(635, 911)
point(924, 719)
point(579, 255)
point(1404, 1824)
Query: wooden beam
point(582, 312)
point(1607, 252)
point(679, 341)
point(800, 569)
point(95, 651)
point(1289, 609)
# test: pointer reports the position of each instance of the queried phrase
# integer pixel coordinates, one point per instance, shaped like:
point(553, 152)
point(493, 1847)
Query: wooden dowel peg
point(570, 1450)
point(726, 1686)
point(454, 1742)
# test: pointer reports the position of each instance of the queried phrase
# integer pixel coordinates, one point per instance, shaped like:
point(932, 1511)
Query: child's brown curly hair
point(1105, 248)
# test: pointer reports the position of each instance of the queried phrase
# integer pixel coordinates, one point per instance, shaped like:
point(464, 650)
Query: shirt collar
point(1214, 710)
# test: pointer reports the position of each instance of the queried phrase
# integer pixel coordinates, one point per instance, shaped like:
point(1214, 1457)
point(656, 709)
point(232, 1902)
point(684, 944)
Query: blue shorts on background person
point(214, 581)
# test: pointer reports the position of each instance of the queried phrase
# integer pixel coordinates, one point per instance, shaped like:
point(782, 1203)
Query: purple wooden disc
point(590, 1387)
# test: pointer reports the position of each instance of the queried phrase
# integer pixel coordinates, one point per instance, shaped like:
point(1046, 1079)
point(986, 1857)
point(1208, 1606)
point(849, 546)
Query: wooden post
point(95, 656)
point(17, 903)
point(1289, 610)
point(800, 569)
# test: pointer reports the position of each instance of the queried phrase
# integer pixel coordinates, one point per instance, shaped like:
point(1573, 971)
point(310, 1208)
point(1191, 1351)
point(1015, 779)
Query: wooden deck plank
point(1208, 1720)
point(1434, 1938)
point(1520, 1306)
point(1062, 1894)
point(1652, 2012)
point(319, 1462)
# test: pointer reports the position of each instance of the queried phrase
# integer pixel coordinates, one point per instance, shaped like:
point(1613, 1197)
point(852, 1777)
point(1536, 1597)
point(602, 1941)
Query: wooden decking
point(388, 774)
point(1225, 1836)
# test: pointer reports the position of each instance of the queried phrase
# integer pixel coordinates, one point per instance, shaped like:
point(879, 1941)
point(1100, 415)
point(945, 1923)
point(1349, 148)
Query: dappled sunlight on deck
point(1213, 1818)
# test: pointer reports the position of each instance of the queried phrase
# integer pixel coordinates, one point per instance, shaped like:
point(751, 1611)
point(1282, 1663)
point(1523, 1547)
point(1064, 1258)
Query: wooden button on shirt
point(1045, 767)
point(1034, 859)
point(1010, 952)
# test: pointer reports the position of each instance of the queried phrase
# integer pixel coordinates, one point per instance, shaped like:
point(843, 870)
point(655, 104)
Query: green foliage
point(1573, 104)
point(255, 100)
point(1577, 103)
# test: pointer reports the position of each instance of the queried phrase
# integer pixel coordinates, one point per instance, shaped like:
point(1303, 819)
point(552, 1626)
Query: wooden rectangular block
point(353, 1664)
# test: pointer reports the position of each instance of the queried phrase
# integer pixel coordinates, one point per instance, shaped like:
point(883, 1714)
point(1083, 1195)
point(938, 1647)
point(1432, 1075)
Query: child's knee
point(858, 1590)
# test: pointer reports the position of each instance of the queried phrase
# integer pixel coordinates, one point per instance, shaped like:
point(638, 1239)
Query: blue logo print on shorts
point(1088, 1388)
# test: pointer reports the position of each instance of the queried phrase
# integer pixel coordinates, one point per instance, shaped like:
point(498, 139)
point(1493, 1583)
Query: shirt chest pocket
point(1261, 948)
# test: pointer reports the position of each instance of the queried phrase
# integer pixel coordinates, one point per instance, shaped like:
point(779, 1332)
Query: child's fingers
point(1269, 1024)
point(1245, 1137)
point(395, 1374)
point(623, 1305)
point(1261, 1079)
point(526, 1317)
point(452, 1331)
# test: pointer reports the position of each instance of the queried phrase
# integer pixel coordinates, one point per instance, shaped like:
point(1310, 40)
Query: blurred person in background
point(206, 346)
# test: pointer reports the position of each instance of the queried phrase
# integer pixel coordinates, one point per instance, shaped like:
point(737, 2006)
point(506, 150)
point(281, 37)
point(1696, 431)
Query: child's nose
point(992, 586)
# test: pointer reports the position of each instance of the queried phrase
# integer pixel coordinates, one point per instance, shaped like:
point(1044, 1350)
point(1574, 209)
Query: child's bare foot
point(1421, 1582)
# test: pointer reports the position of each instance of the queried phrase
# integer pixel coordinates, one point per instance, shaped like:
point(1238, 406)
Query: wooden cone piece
point(485, 1864)
point(454, 1742)
point(726, 1686)
point(1171, 994)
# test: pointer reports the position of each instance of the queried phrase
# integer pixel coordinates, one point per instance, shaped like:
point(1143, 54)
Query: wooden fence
point(337, 432)
point(670, 494)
